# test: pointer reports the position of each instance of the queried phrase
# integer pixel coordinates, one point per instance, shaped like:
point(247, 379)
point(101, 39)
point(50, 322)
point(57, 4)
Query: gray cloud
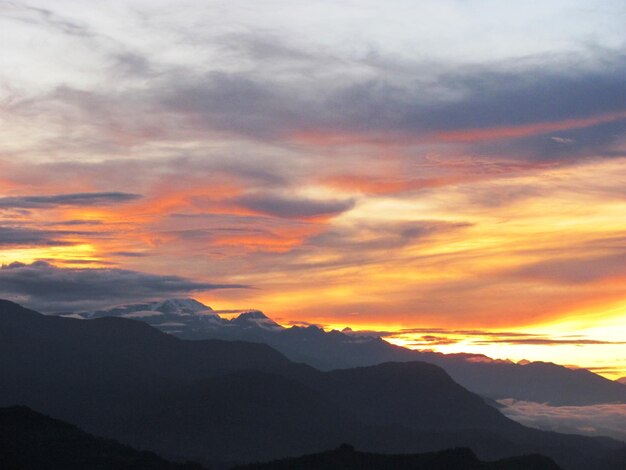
point(129, 254)
point(576, 270)
point(132, 64)
point(480, 97)
point(76, 199)
point(288, 87)
point(20, 236)
point(44, 16)
point(49, 288)
point(368, 237)
point(511, 95)
point(76, 222)
point(235, 102)
point(184, 104)
point(594, 420)
point(292, 207)
point(269, 49)
point(250, 169)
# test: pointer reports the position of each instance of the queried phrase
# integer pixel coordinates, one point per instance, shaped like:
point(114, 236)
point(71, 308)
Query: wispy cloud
point(292, 207)
point(77, 199)
point(24, 237)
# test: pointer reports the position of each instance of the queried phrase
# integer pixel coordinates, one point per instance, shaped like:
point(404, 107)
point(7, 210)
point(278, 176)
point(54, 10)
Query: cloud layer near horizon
point(592, 420)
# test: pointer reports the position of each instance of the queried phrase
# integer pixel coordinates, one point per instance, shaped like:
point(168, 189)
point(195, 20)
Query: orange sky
point(535, 252)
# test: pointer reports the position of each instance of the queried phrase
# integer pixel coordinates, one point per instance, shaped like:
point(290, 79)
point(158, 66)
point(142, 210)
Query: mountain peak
point(179, 307)
point(253, 314)
point(185, 305)
point(256, 318)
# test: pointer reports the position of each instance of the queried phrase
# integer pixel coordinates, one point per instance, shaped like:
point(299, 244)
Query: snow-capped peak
point(253, 315)
point(177, 307)
point(181, 306)
point(256, 318)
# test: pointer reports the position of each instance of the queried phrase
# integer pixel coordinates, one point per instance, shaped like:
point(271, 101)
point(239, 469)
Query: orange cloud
point(392, 139)
point(508, 132)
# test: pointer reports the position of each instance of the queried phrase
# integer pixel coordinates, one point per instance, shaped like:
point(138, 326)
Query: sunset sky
point(449, 173)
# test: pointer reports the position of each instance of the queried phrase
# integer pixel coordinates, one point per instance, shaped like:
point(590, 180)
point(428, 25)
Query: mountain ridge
point(31, 441)
point(346, 457)
point(219, 401)
point(540, 382)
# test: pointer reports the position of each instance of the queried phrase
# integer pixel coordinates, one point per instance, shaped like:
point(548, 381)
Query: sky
point(448, 173)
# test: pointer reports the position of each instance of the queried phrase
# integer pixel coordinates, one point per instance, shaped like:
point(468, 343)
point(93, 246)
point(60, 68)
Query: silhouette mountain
point(621, 380)
point(346, 458)
point(536, 381)
point(32, 441)
point(217, 402)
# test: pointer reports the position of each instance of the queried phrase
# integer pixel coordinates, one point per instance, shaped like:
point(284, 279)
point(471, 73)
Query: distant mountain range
point(536, 381)
point(223, 402)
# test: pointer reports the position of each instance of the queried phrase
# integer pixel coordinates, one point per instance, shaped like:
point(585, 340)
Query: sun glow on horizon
point(59, 255)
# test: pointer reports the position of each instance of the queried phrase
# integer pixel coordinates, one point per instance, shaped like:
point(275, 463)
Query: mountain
point(622, 380)
point(541, 382)
point(255, 320)
point(32, 441)
point(220, 402)
point(346, 458)
point(536, 381)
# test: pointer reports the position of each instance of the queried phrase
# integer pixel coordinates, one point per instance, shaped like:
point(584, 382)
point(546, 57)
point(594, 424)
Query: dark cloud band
point(27, 237)
point(75, 199)
point(49, 288)
point(293, 207)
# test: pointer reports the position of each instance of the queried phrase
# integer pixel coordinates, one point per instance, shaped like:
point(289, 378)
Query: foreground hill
point(346, 458)
point(537, 381)
point(217, 401)
point(32, 441)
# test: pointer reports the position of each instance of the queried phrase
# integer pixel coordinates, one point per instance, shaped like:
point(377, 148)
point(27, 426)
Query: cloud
point(494, 109)
point(370, 238)
point(593, 420)
point(576, 270)
point(547, 341)
point(75, 199)
point(49, 288)
point(471, 105)
point(44, 16)
point(233, 102)
point(18, 236)
point(129, 254)
point(471, 337)
point(293, 207)
point(77, 222)
point(562, 140)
